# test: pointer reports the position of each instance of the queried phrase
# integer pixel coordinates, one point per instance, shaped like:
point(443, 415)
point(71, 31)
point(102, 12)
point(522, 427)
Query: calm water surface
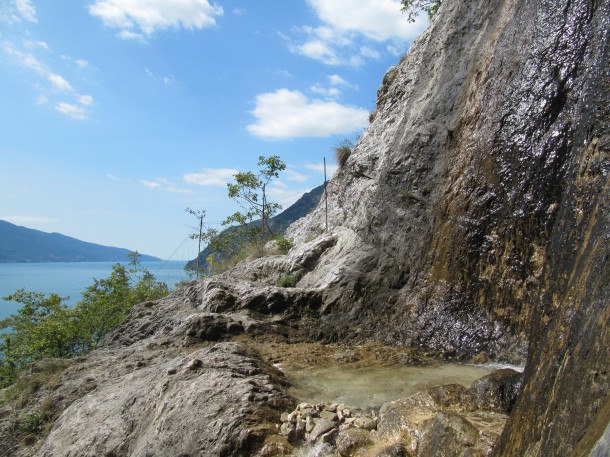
point(70, 279)
point(371, 386)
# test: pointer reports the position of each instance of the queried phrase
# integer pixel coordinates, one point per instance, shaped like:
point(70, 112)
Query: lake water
point(70, 279)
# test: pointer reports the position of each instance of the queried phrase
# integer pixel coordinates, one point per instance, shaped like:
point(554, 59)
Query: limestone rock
point(352, 439)
point(448, 435)
point(321, 427)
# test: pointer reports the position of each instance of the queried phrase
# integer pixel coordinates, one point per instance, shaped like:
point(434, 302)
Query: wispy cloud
point(71, 110)
point(167, 80)
point(290, 114)
point(285, 196)
point(13, 11)
point(27, 10)
point(164, 185)
point(86, 100)
point(216, 177)
point(137, 19)
point(333, 87)
point(58, 83)
point(319, 168)
point(292, 175)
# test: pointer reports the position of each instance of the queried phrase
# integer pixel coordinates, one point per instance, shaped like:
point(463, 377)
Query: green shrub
point(34, 423)
point(287, 280)
point(284, 244)
point(44, 327)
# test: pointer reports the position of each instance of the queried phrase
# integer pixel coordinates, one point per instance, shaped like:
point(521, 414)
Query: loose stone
point(366, 422)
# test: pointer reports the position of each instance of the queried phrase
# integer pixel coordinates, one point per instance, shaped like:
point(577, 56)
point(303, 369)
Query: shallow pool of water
point(371, 386)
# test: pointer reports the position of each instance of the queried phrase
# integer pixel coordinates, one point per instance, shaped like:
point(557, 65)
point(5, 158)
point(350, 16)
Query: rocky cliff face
point(472, 217)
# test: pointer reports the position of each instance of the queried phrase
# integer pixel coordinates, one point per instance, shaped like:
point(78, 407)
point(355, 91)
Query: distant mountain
point(20, 244)
point(279, 223)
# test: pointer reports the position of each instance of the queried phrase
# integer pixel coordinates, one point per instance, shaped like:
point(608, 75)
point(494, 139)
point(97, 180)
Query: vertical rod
point(325, 195)
point(199, 245)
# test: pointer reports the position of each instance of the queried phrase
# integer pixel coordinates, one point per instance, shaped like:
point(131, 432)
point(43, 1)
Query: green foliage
point(250, 191)
point(413, 7)
point(284, 244)
point(34, 423)
point(288, 280)
point(45, 327)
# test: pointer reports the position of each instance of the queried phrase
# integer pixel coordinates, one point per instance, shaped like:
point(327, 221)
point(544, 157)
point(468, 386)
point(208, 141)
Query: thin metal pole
point(199, 245)
point(325, 195)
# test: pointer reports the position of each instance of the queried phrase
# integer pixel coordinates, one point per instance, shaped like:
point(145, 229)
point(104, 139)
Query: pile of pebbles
point(322, 422)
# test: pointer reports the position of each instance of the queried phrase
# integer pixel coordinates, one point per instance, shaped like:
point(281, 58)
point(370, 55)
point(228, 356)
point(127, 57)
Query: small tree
point(250, 191)
point(45, 327)
point(413, 7)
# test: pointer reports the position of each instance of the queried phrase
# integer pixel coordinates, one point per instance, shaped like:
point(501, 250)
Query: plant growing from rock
point(46, 327)
point(250, 191)
point(343, 151)
point(289, 279)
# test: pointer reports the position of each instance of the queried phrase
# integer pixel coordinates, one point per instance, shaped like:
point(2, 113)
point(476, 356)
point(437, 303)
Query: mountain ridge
point(20, 244)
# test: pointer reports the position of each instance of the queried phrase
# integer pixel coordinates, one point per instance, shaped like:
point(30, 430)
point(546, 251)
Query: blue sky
point(116, 115)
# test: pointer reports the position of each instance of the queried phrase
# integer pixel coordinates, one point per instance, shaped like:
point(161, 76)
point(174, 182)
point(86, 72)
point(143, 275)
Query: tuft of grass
point(288, 280)
point(34, 423)
point(343, 151)
point(45, 373)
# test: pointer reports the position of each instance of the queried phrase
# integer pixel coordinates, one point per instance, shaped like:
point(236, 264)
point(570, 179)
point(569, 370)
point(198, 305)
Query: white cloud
point(86, 100)
point(12, 11)
point(319, 50)
point(289, 114)
point(164, 185)
point(150, 184)
point(137, 18)
point(127, 35)
point(319, 168)
point(352, 29)
point(369, 52)
point(337, 80)
point(378, 20)
point(284, 196)
point(28, 219)
point(334, 91)
point(292, 175)
point(112, 177)
point(59, 82)
point(36, 44)
point(329, 92)
point(74, 111)
point(82, 63)
point(26, 10)
point(167, 80)
point(218, 177)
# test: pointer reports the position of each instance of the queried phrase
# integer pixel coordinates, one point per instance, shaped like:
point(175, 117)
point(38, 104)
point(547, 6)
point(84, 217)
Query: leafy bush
point(284, 244)
point(45, 327)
